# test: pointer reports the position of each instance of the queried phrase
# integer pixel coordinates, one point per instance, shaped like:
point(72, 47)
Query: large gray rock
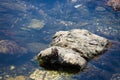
point(84, 42)
point(73, 48)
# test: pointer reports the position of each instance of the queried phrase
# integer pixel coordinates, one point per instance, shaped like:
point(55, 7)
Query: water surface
point(32, 23)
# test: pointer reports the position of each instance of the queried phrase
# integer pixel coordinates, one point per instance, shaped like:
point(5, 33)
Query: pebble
point(0, 77)
point(12, 67)
point(7, 76)
point(79, 5)
point(74, 0)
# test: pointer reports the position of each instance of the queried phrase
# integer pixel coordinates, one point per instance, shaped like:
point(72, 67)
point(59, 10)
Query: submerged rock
point(73, 48)
point(12, 67)
point(18, 78)
point(0, 77)
point(115, 4)
point(49, 75)
point(10, 47)
point(36, 24)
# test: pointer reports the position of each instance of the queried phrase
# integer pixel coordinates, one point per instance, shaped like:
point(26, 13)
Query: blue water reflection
point(32, 23)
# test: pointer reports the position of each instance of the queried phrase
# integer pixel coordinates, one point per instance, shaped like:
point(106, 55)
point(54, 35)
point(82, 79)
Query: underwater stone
point(74, 47)
point(0, 77)
point(11, 47)
point(49, 75)
point(115, 4)
point(36, 24)
point(12, 67)
point(19, 78)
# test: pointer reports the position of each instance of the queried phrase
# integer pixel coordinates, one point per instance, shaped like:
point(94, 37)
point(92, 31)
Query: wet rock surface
point(115, 4)
point(73, 47)
point(62, 56)
point(84, 42)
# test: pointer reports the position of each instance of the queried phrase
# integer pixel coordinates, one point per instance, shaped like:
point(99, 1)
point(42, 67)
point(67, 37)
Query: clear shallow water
point(32, 23)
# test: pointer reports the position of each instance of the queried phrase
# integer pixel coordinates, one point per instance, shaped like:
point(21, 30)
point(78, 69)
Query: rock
point(0, 77)
point(18, 78)
point(12, 67)
point(11, 47)
point(10, 78)
point(48, 75)
point(73, 1)
point(36, 24)
point(115, 76)
point(7, 76)
point(77, 6)
point(61, 56)
point(73, 49)
point(115, 4)
point(84, 42)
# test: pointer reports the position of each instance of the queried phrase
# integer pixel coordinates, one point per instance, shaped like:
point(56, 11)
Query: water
point(32, 23)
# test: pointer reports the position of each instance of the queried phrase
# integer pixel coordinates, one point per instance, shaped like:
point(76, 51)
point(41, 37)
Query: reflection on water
point(31, 24)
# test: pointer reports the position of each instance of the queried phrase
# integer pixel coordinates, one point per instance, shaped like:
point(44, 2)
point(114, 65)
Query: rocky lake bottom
point(27, 27)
